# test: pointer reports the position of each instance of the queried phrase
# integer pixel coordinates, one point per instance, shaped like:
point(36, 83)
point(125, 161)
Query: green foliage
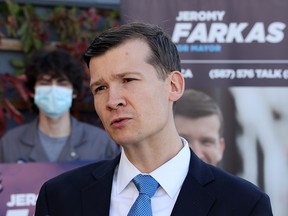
point(74, 28)
point(70, 24)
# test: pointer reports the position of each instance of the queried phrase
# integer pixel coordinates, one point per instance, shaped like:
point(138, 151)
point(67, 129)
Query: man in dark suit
point(135, 80)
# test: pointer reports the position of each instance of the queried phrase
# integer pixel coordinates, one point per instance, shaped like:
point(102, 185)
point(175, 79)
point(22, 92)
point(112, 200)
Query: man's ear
point(221, 149)
point(177, 85)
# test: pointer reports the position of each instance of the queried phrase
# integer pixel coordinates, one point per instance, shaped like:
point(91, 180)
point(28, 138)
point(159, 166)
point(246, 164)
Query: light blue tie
point(147, 187)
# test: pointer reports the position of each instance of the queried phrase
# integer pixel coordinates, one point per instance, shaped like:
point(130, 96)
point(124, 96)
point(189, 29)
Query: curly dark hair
point(58, 64)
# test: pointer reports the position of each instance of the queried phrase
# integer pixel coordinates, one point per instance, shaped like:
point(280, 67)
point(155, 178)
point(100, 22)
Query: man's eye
point(44, 82)
point(128, 79)
point(208, 142)
point(98, 89)
point(64, 83)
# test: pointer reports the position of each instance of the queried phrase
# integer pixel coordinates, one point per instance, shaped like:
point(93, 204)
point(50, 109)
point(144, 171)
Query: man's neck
point(59, 127)
point(150, 156)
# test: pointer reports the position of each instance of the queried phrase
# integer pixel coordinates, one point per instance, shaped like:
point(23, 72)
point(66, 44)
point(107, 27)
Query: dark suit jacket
point(207, 190)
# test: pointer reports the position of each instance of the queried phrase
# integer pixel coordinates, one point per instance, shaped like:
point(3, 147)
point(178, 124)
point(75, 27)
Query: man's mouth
point(119, 122)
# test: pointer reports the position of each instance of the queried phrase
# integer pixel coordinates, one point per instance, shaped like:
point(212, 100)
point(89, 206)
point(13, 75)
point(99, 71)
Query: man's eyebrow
point(114, 76)
point(61, 78)
point(121, 75)
point(44, 79)
point(96, 83)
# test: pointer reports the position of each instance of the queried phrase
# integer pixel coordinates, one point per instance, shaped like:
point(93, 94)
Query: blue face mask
point(53, 100)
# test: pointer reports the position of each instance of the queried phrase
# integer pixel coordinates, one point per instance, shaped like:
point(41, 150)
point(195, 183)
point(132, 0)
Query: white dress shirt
point(170, 176)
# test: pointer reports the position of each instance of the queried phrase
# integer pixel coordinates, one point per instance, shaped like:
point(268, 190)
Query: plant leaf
point(17, 63)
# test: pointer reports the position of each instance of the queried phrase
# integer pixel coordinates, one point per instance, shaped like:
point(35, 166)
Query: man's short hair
point(164, 56)
point(196, 104)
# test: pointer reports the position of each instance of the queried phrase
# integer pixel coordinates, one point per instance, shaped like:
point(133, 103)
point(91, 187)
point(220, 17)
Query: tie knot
point(146, 184)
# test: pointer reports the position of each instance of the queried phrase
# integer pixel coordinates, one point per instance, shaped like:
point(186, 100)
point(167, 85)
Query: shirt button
point(73, 154)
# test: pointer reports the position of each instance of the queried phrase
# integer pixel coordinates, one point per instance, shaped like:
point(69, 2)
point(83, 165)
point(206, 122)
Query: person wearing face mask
point(53, 79)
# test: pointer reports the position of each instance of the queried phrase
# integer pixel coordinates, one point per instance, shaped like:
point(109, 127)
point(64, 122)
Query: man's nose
point(115, 98)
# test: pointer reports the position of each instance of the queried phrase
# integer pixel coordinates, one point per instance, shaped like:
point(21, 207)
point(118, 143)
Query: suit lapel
point(96, 196)
point(194, 198)
point(31, 138)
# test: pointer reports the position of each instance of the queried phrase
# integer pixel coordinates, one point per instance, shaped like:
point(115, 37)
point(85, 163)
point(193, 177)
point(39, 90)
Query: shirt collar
point(126, 172)
point(177, 166)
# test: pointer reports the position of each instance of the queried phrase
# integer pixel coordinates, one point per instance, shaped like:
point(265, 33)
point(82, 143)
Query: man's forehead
point(51, 77)
point(45, 76)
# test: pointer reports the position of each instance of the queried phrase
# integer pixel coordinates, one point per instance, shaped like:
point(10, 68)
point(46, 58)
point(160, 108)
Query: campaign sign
point(20, 184)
